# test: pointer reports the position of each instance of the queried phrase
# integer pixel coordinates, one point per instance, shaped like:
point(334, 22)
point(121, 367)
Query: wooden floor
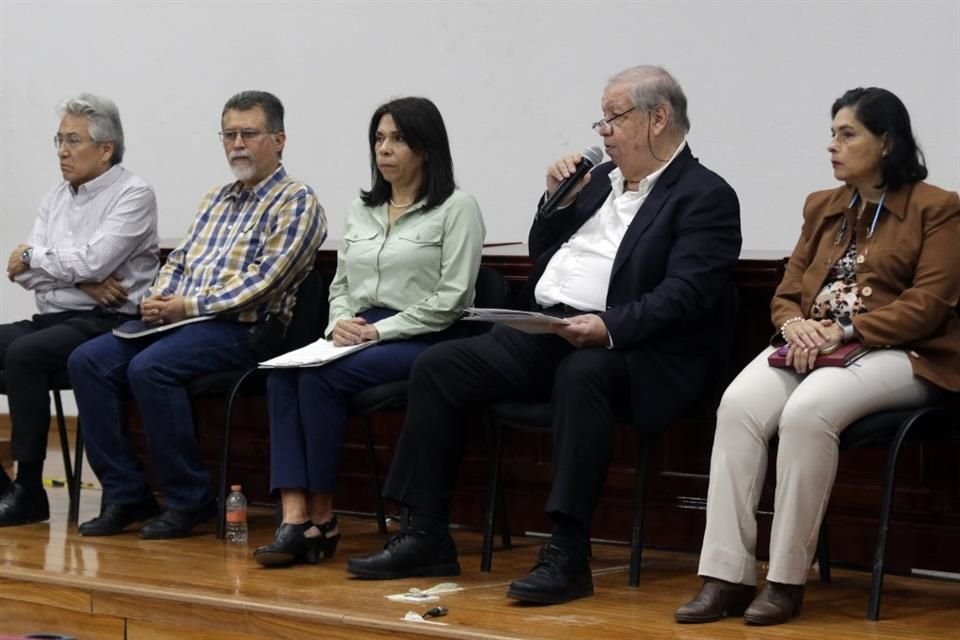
point(53, 580)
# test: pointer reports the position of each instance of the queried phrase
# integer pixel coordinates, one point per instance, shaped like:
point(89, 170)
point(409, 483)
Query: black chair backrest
point(491, 288)
point(309, 313)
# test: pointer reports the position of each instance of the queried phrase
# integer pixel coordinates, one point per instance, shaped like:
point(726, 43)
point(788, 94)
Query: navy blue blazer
point(671, 302)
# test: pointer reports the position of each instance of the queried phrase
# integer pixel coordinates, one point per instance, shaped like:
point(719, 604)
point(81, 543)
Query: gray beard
point(244, 169)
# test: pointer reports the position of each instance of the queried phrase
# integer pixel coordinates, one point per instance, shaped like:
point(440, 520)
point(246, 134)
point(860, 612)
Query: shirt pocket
point(424, 236)
point(361, 246)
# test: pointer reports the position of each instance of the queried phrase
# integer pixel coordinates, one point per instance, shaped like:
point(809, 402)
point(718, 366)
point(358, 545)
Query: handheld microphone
point(589, 157)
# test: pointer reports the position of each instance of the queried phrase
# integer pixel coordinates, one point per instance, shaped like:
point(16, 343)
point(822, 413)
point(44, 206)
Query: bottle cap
point(235, 487)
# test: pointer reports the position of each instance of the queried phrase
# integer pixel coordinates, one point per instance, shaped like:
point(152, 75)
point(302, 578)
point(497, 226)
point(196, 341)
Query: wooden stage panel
point(15, 618)
point(117, 588)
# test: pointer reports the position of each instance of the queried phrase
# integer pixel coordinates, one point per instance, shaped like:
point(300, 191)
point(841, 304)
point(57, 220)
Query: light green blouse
point(425, 266)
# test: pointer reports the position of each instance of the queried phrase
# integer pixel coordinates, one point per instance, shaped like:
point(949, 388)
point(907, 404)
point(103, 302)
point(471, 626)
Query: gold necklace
point(401, 206)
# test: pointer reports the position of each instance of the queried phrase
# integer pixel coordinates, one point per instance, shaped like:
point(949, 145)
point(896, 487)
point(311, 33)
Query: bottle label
point(236, 517)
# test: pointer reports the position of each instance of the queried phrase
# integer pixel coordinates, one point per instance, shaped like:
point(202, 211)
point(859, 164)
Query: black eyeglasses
point(248, 135)
point(606, 124)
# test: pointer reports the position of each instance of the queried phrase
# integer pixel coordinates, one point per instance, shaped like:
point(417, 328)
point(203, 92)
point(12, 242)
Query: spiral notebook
point(140, 329)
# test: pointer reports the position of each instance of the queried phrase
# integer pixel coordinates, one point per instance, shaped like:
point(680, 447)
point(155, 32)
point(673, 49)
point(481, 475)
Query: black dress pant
point(453, 379)
point(32, 352)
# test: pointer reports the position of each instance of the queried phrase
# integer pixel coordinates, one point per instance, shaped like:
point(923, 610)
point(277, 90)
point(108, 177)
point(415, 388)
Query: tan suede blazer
point(908, 272)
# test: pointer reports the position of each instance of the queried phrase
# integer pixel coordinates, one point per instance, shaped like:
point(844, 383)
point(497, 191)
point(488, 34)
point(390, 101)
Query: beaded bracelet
point(783, 327)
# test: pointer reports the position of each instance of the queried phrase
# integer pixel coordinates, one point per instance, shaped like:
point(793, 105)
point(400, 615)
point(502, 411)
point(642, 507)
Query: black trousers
point(455, 378)
point(34, 351)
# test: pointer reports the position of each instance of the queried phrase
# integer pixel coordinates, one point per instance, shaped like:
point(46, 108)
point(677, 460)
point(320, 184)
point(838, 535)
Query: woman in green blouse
point(406, 269)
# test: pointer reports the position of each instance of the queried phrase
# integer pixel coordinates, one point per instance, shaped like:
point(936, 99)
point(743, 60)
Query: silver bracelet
point(786, 323)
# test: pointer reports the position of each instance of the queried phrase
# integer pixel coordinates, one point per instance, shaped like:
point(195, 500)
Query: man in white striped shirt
point(90, 257)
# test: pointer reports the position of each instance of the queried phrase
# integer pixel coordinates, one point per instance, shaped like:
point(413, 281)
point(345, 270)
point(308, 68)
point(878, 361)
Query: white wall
point(518, 84)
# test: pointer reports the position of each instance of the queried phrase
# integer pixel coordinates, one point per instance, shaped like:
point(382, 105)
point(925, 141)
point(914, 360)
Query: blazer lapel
point(650, 209)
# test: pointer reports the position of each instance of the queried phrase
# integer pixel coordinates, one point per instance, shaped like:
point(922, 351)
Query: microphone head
point(593, 155)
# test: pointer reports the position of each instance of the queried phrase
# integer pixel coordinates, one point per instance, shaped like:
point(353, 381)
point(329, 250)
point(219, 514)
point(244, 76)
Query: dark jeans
point(308, 408)
point(155, 371)
point(32, 353)
point(308, 412)
point(455, 378)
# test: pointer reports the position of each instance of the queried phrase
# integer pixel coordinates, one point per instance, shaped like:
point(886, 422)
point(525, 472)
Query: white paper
point(528, 321)
point(314, 354)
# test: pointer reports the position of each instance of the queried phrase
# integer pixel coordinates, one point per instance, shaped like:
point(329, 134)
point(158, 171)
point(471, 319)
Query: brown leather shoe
point(775, 604)
point(717, 598)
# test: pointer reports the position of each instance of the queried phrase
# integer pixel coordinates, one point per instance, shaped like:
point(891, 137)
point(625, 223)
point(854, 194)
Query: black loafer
point(20, 505)
point(409, 554)
point(174, 523)
point(556, 578)
point(114, 518)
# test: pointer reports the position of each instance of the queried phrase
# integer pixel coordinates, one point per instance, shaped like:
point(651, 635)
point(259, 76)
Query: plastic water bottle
point(236, 516)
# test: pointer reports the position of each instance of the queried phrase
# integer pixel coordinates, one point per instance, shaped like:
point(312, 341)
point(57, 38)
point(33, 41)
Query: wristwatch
point(25, 256)
point(847, 325)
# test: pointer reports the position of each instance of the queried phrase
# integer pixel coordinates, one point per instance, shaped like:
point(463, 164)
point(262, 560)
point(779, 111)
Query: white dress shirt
point(108, 226)
point(578, 274)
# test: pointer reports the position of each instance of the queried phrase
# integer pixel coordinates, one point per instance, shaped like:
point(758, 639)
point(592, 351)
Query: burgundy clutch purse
point(842, 356)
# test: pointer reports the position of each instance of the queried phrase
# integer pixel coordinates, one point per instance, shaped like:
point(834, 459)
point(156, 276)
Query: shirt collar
point(646, 185)
point(894, 201)
point(101, 182)
point(262, 188)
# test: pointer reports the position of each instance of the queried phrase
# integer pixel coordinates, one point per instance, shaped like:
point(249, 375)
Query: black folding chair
point(309, 320)
point(890, 430)
point(491, 291)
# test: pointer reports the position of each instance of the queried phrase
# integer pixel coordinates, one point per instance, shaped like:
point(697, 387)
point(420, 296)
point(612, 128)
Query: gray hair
point(652, 86)
point(271, 105)
point(103, 119)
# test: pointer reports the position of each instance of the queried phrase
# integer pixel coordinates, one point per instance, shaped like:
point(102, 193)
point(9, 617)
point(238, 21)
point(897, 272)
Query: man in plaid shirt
point(250, 246)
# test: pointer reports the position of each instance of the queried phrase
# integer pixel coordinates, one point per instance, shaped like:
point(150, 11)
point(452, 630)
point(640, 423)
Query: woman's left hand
point(803, 359)
point(353, 331)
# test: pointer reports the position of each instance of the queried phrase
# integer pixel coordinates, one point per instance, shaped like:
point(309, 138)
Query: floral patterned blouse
point(840, 295)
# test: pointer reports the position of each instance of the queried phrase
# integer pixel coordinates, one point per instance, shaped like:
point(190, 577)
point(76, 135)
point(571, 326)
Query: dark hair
point(883, 114)
point(422, 127)
point(271, 105)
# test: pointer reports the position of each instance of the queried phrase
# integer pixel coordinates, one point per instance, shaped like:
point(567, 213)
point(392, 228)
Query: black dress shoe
point(114, 518)
point(408, 554)
point(556, 578)
point(20, 505)
point(775, 604)
point(173, 523)
point(716, 599)
point(291, 546)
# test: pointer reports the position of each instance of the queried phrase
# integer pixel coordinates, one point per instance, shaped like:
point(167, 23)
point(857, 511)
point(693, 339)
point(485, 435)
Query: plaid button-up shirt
point(247, 250)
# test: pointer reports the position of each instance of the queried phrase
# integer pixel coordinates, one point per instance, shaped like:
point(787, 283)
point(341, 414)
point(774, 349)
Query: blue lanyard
point(873, 224)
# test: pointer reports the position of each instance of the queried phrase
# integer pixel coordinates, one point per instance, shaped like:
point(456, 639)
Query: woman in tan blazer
point(878, 262)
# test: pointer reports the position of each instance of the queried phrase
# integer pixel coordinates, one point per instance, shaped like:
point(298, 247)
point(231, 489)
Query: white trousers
point(808, 413)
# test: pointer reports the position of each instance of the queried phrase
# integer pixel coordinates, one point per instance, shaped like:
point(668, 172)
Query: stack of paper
point(529, 321)
point(314, 354)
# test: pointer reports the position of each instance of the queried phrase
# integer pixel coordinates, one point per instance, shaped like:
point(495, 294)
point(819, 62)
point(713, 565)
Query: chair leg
point(494, 493)
point(375, 474)
point(65, 451)
point(823, 551)
point(62, 431)
point(225, 454)
point(73, 515)
point(639, 493)
point(876, 580)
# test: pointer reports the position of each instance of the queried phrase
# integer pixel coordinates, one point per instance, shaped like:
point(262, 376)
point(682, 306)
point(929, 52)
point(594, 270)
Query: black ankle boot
point(291, 546)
